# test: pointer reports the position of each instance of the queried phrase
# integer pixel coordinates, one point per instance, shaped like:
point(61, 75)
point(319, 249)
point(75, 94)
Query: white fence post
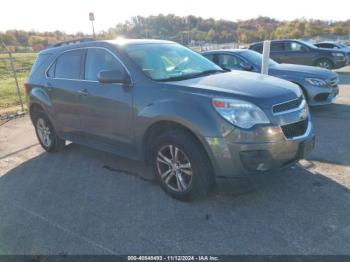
point(266, 57)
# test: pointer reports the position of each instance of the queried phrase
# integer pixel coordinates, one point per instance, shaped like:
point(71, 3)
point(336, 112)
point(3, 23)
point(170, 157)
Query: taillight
point(26, 86)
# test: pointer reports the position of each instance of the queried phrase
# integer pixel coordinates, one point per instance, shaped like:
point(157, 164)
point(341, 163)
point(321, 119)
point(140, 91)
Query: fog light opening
point(256, 160)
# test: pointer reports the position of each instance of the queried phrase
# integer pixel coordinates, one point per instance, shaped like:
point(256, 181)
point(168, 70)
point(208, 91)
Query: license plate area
point(306, 147)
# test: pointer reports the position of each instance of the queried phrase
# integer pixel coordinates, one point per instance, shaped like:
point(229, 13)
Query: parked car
point(320, 86)
point(161, 103)
point(303, 53)
point(334, 45)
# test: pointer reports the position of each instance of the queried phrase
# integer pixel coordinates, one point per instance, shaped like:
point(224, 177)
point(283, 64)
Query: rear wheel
point(181, 165)
point(324, 63)
point(46, 133)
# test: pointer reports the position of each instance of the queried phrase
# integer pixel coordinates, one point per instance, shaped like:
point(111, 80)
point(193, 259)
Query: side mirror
point(113, 76)
point(246, 67)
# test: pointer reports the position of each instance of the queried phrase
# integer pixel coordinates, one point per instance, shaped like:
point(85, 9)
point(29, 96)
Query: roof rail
point(71, 42)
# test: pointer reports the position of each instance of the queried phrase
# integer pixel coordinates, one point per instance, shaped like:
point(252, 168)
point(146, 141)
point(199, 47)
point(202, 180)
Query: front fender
point(200, 119)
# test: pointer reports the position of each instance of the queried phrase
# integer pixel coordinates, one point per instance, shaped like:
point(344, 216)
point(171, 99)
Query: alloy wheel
point(44, 132)
point(174, 168)
point(324, 64)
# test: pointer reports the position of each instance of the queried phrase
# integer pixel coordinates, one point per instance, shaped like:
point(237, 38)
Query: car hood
point(301, 70)
point(261, 90)
point(329, 50)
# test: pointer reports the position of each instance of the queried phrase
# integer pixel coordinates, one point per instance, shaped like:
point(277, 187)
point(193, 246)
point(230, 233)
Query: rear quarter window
point(40, 61)
point(257, 48)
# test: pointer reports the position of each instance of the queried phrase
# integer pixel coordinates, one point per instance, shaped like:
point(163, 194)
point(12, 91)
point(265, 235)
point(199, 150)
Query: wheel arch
point(317, 60)
point(302, 89)
point(160, 127)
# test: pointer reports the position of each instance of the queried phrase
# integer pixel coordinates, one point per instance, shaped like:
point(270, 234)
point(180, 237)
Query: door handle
point(83, 92)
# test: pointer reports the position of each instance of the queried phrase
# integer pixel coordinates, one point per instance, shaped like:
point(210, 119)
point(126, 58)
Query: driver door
point(106, 112)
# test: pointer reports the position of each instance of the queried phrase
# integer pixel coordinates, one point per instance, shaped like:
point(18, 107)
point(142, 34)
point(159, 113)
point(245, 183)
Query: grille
point(295, 129)
point(333, 82)
point(321, 97)
point(287, 105)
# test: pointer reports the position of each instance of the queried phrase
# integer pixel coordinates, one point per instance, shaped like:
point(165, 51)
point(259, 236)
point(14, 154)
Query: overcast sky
point(72, 15)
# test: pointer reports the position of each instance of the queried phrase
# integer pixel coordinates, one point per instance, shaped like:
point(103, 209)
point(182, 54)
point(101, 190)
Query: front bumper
point(265, 149)
point(320, 95)
point(340, 63)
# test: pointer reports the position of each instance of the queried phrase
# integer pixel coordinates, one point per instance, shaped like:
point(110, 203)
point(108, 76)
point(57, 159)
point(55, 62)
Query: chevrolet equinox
point(169, 107)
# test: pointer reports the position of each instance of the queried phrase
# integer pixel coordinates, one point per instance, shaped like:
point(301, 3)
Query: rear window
point(68, 65)
point(257, 48)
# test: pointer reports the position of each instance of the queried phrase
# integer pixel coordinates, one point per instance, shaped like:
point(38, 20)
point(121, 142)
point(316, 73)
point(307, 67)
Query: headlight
point(338, 54)
point(240, 113)
point(316, 82)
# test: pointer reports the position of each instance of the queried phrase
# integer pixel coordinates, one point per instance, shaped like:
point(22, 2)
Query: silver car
point(319, 85)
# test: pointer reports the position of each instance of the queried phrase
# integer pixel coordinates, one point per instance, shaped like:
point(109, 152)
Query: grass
point(8, 92)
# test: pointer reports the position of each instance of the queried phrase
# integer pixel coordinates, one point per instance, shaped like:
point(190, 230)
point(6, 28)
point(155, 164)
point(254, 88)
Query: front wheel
point(46, 133)
point(324, 63)
point(181, 165)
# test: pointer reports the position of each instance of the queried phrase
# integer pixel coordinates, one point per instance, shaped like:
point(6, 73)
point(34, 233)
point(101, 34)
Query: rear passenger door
point(278, 52)
point(63, 84)
point(297, 53)
point(106, 109)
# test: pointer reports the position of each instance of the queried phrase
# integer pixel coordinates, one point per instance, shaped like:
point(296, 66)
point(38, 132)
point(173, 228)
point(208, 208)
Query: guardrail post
point(14, 74)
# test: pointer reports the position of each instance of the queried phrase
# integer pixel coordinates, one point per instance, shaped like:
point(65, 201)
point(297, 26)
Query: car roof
point(91, 43)
point(328, 42)
point(226, 51)
point(277, 40)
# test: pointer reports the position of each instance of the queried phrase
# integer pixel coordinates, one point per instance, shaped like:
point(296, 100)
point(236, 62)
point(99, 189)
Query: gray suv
point(158, 102)
point(303, 53)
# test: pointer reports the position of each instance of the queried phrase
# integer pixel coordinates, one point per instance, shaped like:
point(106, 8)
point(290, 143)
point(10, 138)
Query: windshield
point(166, 62)
point(255, 58)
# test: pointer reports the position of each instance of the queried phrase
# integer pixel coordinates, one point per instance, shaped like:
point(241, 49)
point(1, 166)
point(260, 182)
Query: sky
point(71, 16)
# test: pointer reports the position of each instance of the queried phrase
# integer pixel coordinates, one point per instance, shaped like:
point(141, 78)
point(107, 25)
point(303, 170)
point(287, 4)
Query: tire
point(324, 63)
point(186, 175)
point(46, 134)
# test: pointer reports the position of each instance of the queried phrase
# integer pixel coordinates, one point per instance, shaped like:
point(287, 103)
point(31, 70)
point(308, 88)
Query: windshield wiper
point(189, 76)
point(208, 72)
point(175, 78)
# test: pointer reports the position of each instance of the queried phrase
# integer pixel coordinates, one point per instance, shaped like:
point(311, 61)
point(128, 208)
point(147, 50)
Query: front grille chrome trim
point(300, 107)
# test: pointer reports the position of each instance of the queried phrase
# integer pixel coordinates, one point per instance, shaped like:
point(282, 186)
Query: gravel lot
point(83, 201)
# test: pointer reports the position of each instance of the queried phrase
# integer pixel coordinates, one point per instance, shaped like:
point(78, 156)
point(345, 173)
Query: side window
point(210, 57)
point(277, 46)
point(98, 60)
point(295, 47)
point(258, 48)
point(51, 71)
point(229, 61)
point(68, 65)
